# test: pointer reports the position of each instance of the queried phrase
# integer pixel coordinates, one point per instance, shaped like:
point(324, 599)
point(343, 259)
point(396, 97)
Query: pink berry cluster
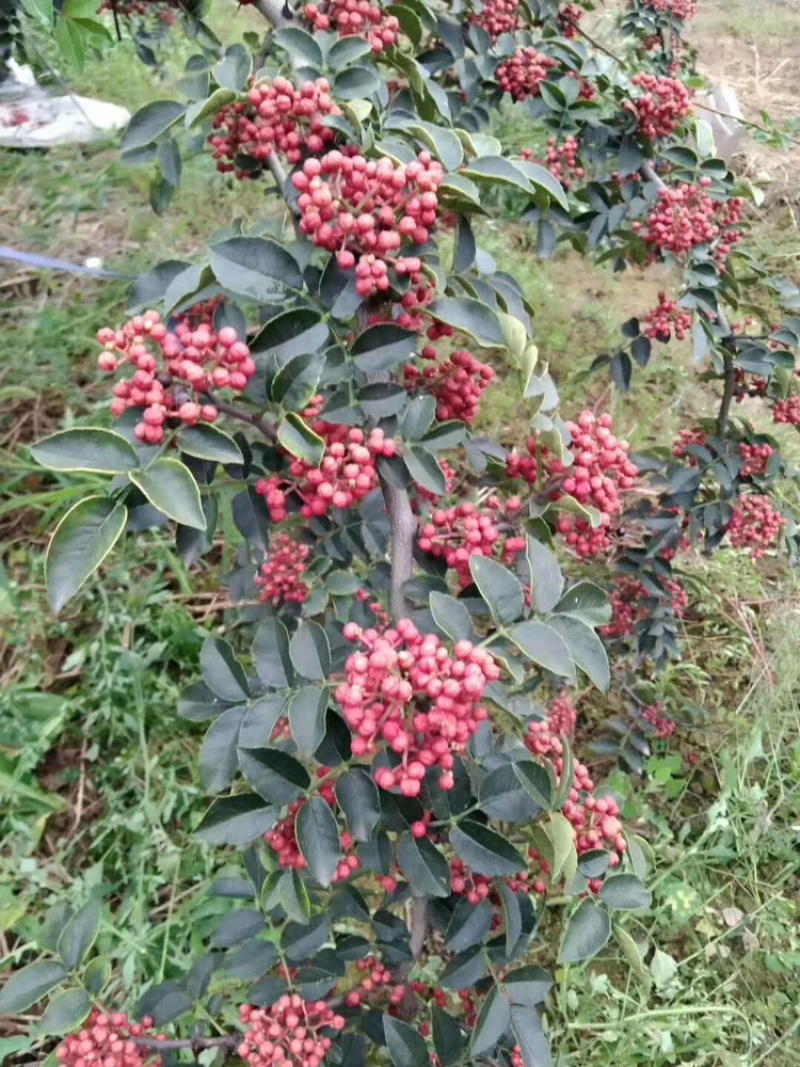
point(166, 10)
point(291, 1033)
point(679, 9)
point(666, 319)
point(748, 385)
point(275, 117)
point(756, 459)
point(663, 104)
point(466, 883)
point(568, 18)
point(787, 411)
point(656, 715)
point(595, 820)
point(369, 208)
point(562, 160)
point(693, 436)
point(628, 605)
point(405, 690)
point(345, 476)
point(282, 839)
point(497, 17)
point(355, 18)
point(686, 216)
point(562, 715)
point(173, 368)
point(522, 75)
point(755, 524)
point(600, 472)
point(106, 1041)
point(457, 534)
point(457, 383)
point(281, 578)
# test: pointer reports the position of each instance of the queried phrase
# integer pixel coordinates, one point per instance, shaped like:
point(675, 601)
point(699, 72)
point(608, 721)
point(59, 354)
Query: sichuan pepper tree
point(393, 755)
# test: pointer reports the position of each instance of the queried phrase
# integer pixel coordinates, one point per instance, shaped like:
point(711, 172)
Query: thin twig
point(600, 47)
point(264, 428)
point(729, 383)
point(745, 122)
point(196, 1044)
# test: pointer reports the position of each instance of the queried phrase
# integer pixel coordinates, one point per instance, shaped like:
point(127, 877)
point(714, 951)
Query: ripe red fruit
point(665, 319)
point(662, 105)
point(105, 1041)
point(405, 691)
point(276, 117)
point(174, 368)
point(599, 473)
point(291, 1033)
point(522, 75)
point(371, 209)
point(281, 576)
point(755, 524)
point(348, 17)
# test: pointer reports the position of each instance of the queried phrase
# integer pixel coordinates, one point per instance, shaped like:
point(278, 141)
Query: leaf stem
point(264, 428)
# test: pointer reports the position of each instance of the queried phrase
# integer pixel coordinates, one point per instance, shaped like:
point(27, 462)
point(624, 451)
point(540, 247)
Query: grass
point(97, 776)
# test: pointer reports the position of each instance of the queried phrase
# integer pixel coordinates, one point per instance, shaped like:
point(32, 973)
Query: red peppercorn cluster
point(568, 18)
point(562, 715)
point(275, 117)
point(166, 10)
point(628, 605)
point(562, 160)
point(656, 716)
point(345, 476)
point(290, 1033)
point(377, 976)
point(679, 9)
point(522, 75)
point(755, 524)
point(355, 17)
point(787, 411)
point(756, 459)
point(352, 205)
point(686, 216)
point(105, 1041)
point(466, 883)
point(403, 688)
point(600, 471)
point(281, 578)
point(458, 533)
point(748, 385)
point(595, 820)
point(498, 16)
point(686, 439)
point(457, 383)
point(283, 838)
point(192, 354)
point(375, 606)
point(663, 104)
point(667, 318)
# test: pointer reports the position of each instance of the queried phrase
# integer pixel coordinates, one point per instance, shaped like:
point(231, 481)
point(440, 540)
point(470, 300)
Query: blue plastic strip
point(46, 263)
